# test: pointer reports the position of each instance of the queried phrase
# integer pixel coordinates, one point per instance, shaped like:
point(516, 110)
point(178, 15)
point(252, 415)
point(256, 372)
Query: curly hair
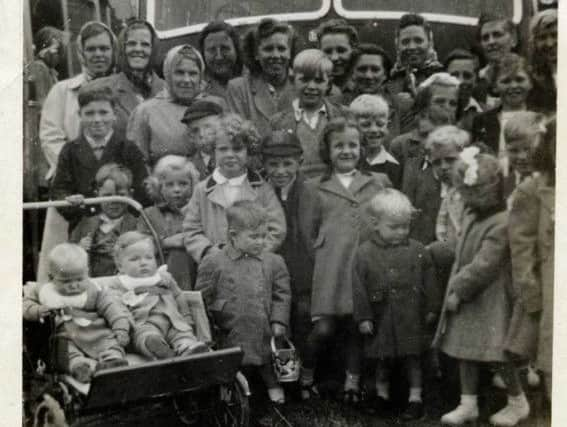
point(166, 164)
point(334, 125)
point(241, 132)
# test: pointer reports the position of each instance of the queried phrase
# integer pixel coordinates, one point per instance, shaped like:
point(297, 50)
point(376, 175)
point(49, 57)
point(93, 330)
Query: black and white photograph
point(261, 213)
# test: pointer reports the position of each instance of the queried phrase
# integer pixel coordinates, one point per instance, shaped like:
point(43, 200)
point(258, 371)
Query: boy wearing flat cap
point(202, 119)
point(282, 157)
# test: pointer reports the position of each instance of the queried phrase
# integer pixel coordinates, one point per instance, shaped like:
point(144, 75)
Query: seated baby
point(85, 313)
point(162, 318)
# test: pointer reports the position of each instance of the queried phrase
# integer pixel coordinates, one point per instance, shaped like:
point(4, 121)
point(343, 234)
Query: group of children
point(277, 254)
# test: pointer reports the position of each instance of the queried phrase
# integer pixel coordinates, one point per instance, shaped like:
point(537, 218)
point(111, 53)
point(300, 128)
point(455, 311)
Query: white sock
point(415, 394)
point(469, 400)
point(519, 400)
point(276, 394)
point(351, 381)
point(383, 390)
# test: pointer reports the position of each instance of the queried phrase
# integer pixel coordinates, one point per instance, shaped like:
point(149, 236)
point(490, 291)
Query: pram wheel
point(233, 406)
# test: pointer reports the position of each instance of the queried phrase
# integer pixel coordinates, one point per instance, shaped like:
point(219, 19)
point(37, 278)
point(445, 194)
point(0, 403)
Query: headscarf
point(173, 57)
point(80, 46)
point(143, 83)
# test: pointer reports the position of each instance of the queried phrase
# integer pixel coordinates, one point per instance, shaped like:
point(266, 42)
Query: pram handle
point(99, 200)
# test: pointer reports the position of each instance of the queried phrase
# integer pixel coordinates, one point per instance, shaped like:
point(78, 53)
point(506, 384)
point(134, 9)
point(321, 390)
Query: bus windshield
point(173, 14)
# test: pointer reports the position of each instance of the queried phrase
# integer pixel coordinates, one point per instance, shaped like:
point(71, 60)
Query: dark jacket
point(486, 129)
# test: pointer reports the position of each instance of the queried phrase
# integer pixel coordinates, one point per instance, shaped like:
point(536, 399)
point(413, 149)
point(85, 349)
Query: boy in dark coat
point(98, 144)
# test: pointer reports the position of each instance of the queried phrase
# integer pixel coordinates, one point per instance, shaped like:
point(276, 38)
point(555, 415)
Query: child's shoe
point(112, 363)
point(196, 348)
point(414, 411)
point(157, 346)
point(515, 411)
point(460, 415)
point(277, 395)
point(82, 372)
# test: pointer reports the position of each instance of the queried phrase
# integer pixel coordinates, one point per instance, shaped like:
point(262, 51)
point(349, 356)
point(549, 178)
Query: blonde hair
point(440, 79)
point(246, 215)
point(524, 124)
point(369, 105)
point(240, 131)
point(312, 62)
point(390, 202)
point(66, 254)
point(128, 239)
point(447, 135)
point(165, 165)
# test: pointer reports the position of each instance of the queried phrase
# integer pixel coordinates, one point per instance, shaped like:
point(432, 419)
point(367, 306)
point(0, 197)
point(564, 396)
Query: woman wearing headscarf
point(543, 61)
point(155, 125)
point(59, 121)
point(416, 61)
point(136, 80)
point(268, 49)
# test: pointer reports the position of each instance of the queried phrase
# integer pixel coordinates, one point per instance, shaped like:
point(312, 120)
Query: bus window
point(173, 14)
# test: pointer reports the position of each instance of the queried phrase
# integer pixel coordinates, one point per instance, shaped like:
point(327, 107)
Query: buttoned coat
point(531, 231)
point(480, 278)
point(395, 287)
point(246, 294)
point(339, 222)
point(250, 97)
point(205, 223)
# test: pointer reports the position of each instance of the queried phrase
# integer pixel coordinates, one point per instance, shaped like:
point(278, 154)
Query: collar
point(299, 111)
point(108, 224)
point(382, 157)
point(49, 297)
point(132, 283)
point(98, 144)
point(233, 182)
point(76, 82)
point(474, 105)
point(254, 179)
point(234, 253)
point(347, 174)
point(285, 190)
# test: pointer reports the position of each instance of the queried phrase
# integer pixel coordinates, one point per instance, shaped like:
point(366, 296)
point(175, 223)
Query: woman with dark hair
point(155, 125)
point(269, 49)
point(543, 61)
point(416, 61)
point(136, 81)
point(220, 47)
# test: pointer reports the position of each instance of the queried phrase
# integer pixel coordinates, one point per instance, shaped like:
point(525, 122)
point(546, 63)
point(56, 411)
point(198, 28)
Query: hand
point(366, 327)
point(452, 303)
point(278, 330)
point(122, 336)
point(75, 199)
point(86, 242)
point(42, 312)
point(430, 318)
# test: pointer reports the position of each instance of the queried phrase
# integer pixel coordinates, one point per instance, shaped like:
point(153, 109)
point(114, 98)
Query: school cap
point(281, 143)
point(200, 109)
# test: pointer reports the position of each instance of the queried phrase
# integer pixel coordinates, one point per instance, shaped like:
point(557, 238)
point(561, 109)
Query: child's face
point(392, 228)
point(176, 188)
point(97, 118)
point(281, 170)
point(250, 242)
point(443, 158)
point(520, 154)
point(374, 128)
point(138, 260)
point(311, 89)
point(344, 150)
point(514, 88)
point(203, 132)
point(369, 73)
point(231, 159)
point(443, 105)
point(113, 210)
point(71, 279)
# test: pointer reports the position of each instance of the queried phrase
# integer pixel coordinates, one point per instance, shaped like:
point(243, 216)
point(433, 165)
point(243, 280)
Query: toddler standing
point(392, 303)
point(247, 290)
point(171, 184)
point(476, 314)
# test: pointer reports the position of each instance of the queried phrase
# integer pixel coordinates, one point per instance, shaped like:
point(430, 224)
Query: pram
point(200, 390)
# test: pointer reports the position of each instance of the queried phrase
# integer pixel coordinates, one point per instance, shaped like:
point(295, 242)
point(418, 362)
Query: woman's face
point(413, 45)
point(344, 150)
point(338, 49)
point(496, 40)
point(97, 53)
point(274, 55)
point(514, 88)
point(545, 41)
point(220, 55)
point(369, 73)
point(186, 79)
point(138, 48)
